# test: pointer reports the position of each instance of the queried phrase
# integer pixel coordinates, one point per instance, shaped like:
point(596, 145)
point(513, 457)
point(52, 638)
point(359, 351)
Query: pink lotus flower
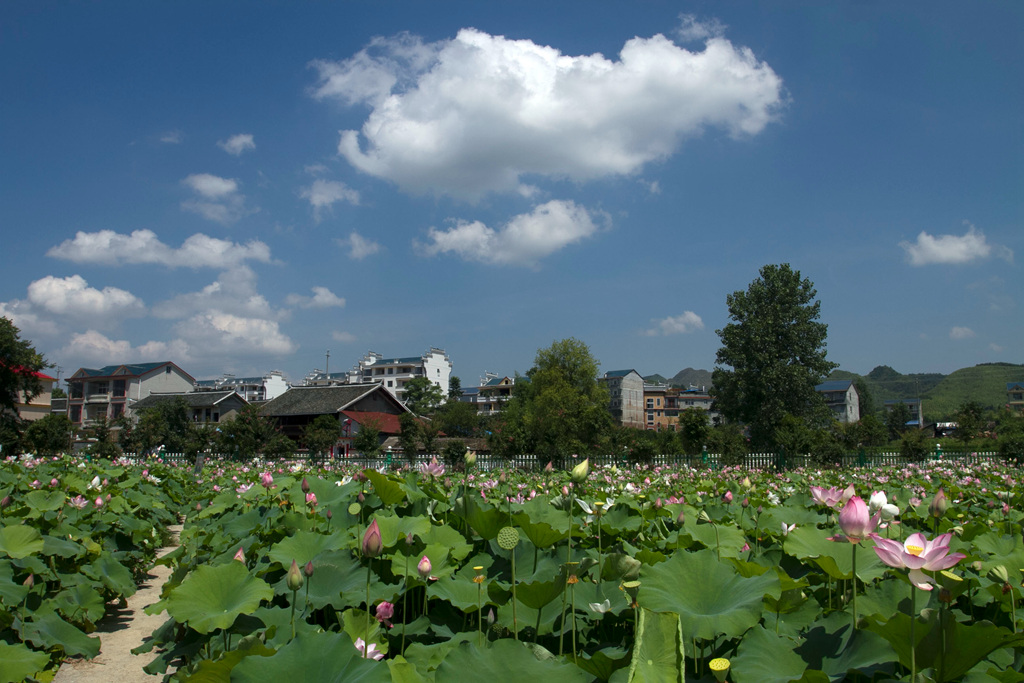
point(240, 555)
point(370, 652)
point(385, 611)
point(424, 567)
point(99, 501)
point(433, 468)
point(311, 499)
point(831, 497)
point(372, 544)
point(918, 554)
point(79, 502)
point(727, 497)
point(267, 479)
point(855, 521)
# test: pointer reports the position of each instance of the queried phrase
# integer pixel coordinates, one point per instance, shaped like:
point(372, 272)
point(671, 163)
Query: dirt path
point(122, 630)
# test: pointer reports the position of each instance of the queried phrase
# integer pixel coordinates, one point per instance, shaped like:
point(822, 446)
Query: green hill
point(941, 394)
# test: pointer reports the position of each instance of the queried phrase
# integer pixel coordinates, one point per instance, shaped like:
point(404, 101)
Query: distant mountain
point(683, 378)
point(941, 394)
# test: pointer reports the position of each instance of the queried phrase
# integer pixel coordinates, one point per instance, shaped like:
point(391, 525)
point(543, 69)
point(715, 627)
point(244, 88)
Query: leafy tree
point(914, 445)
point(19, 362)
point(408, 437)
point(871, 432)
point(457, 418)
point(794, 435)
point(865, 402)
point(322, 434)
point(454, 388)
point(897, 418)
point(454, 455)
point(428, 433)
point(104, 446)
point(49, 435)
point(166, 424)
point(969, 421)
point(251, 434)
point(775, 348)
point(367, 439)
point(422, 395)
point(727, 440)
point(559, 408)
point(58, 393)
point(694, 428)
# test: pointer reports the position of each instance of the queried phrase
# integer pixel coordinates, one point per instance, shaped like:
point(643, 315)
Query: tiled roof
point(1010, 386)
point(317, 400)
point(618, 373)
point(129, 370)
point(834, 385)
point(385, 422)
point(194, 399)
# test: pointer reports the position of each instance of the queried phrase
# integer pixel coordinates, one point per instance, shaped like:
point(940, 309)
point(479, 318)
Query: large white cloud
point(359, 247)
point(676, 324)
point(92, 348)
point(220, 333)
point(475, 114)
point(523, 241)
point(218, 199)
point(233, 292)
point(144, 247)
point(72, 296)
point(953, 249)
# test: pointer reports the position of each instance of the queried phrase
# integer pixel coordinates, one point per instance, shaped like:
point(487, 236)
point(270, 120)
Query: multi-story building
point(492, 393)
point(842, 399)
point(914, 405)
point(625, 397)
point(692, 397)
point(1015, 397)
point(655, 408)
point(110, 391)
point(34, 407)
point(204, 407)
point(252, 389)
point(394, 373)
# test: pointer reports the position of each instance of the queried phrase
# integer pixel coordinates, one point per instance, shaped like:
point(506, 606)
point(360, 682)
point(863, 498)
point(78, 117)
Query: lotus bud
point(267, 479)
point(30, 581)
point(746, 483)
point(329, 515)
point(760, 509)
point(998, 573)
point(745, 503)
point(549, 468)
point(490, 617)
point(470, 459)
point(5, 503)
point(98, 502)
point(727, 497)
point(424, 567)
point(580, 472)
point(54, 483)
point(360, 497)
point(372, 544)
point(502, 479)
point(308, 569)
point(305, 485)
point(311, 499)
point(939, 504)
point(408, 539)
point(681, 518)
point(295, 579)
point(240, 555)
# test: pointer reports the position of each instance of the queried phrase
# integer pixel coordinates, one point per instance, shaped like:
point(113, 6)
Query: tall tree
point(422, 396)
point(454, 388)
point(694, 429)
point(49, 435)
point(322, 434)
point(897, 418)
point(772, 355)
point(19, 363)
point(969, 421)
point(559, 408)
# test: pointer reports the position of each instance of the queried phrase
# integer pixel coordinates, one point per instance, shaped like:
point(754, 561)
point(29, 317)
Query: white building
point(391, 373)
point(252, 389)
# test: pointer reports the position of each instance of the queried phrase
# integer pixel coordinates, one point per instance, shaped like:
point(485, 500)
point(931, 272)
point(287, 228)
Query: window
point(167, 370)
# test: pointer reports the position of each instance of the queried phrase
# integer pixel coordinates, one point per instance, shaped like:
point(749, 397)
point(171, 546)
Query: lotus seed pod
point(508, 538)
point(720, 668)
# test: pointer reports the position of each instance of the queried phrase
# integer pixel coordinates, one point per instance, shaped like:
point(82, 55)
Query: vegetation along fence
point(703, 460)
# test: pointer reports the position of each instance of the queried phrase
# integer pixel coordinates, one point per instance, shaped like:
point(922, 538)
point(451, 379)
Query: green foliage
point(322, 434)
point(969, 421)
point(896, 419)
point(775, 348)
point(104, 445)
point(422, 396)
point(728, 441)
point(367, 439)
point(252, 434)
point(558, 409)
point(457, 418)
point(454, 454)
point(408, 437)
point(872, 432)
point(454, 388)
point(694, 429)
point(19, 362)
point(49, 435)
point(1011, 442)
point(914, 446)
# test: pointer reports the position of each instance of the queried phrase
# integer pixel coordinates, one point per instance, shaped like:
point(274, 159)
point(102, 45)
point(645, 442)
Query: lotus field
point(292, 572)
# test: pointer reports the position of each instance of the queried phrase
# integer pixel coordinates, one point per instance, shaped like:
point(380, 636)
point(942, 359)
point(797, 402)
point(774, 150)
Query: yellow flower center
point(914, 549)
point(719, 664)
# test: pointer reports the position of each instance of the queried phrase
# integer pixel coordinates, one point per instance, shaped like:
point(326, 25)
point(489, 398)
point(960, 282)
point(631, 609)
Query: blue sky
point(240, 187)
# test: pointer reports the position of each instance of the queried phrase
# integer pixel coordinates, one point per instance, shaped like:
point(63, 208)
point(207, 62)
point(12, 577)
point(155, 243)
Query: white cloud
point(344, 337)
point(523, 241)
point(961, 333)
point(218, 198)
point(220, 333)
point(677, 324)
point(91, 348)
point(475, 114)
point(143, 247)
point(996, 347)
point(953, 249)
point(359, 247)
point(322, 194)
point(237, 144)
point(20, 313)
point(72, 296)
point(233, 292)
point(172, 137)
point(692, 29)
point(322, 298)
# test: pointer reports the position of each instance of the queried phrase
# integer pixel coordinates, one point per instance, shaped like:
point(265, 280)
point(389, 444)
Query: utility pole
point(327, 372)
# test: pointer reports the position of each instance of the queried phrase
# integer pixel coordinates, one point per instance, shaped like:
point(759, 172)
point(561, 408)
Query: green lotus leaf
point(81, 601)
point(539, 593)
point(48, 630)
point(604, 662)
point(393, 530)
point(498, 659)
point(765, 657)
point(973, 641)
point(111, 573)
point(727, 539)
point(835, 558)
point(303, 546)
point(619, 520)
point(19, 663)
point(18, 541)
point(711, 597)
point(219, 671)
point(542, 523)
point(403, 671)
point(62, 547)
point(44, 501)
point(484, 519)
point(829, 647)
point(212, 597)
point(323, 657)
point(448, 537)
point(658, 654)
point(387, 489)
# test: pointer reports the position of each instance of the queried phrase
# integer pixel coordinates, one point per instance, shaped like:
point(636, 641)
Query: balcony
point(97, 398)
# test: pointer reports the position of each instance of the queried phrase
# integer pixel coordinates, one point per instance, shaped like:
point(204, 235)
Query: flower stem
point(366, 636)
point(854, 547)
point(913, 640)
